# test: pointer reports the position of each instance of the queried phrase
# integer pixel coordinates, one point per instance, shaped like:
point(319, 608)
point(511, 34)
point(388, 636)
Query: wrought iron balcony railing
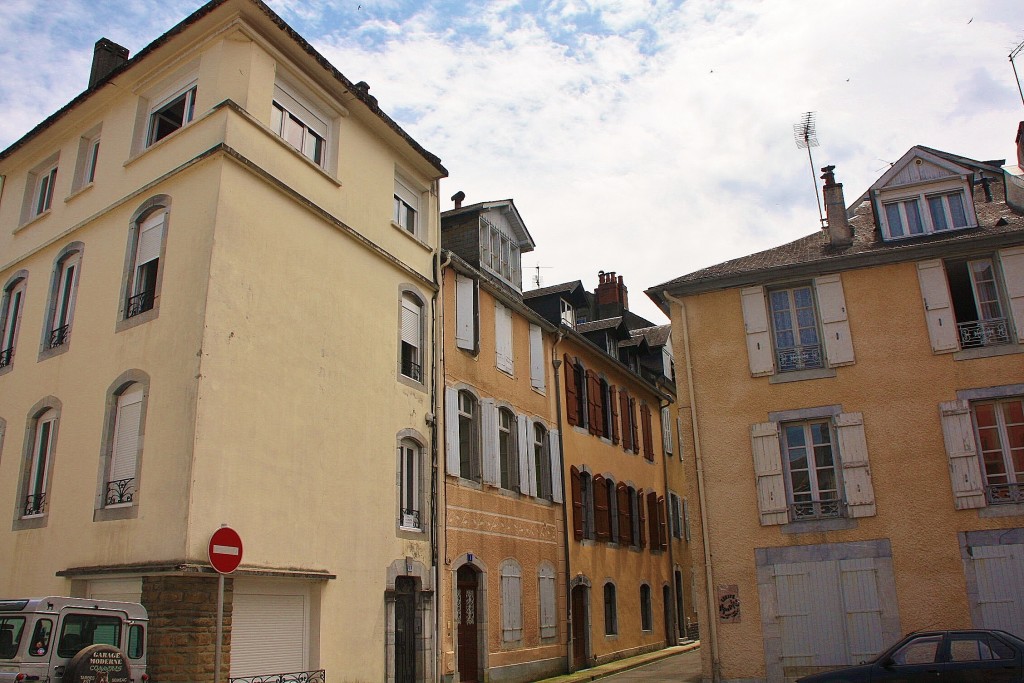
point(412, 370)
point(6, 356)
point(800, 358)
point(59, 336)
point(817, 509)
point(297, 677)
point(978, 333)
point(410, 519)
point(140, 303)
point(35, 504)
point(120, 491)
point(998, 494)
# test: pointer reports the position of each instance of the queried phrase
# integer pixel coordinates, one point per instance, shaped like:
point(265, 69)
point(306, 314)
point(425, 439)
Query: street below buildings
point(681, 668)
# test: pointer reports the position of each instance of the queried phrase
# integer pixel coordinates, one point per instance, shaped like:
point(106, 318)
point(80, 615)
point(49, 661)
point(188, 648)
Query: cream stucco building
point(859, 423)
point(218, 302)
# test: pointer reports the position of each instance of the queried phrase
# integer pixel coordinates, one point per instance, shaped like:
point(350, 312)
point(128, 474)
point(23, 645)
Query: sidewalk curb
point(620, 665)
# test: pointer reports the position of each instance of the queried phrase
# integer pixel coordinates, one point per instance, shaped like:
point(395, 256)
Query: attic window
point(499, 253)
point(568, 314)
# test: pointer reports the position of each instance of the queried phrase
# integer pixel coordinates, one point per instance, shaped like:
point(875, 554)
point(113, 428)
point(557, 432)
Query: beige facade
point(215, 356)
point(858, 411)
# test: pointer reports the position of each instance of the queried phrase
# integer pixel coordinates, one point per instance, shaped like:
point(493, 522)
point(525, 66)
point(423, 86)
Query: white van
point(39, 636)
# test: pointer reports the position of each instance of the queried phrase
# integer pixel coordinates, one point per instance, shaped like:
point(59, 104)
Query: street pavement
point(680, 668)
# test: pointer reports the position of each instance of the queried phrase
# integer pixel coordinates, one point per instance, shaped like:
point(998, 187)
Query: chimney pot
point(457, 198)
point(840, 232)
point(107, 56)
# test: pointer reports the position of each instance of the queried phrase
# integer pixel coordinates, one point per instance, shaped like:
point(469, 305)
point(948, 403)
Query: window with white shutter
point(511, 602)
point(411, 361)
point(771, 486)
point(10, 317)
point(938, 313)
point(548, 610)
point(62, 298)
point(489, 432)
point(755, 323)
point(43, 436)
point(555, 465)
point(528, 482)
point(503, 337)
point(120, 486)
point(406, 206)
point(466, 301)
point(537, 365)
point(835, 328)
point(144, 274)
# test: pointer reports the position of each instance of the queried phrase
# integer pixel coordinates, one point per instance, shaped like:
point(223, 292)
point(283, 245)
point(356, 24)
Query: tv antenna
point(806, 137)
point(1013, 55)
point(536, 276)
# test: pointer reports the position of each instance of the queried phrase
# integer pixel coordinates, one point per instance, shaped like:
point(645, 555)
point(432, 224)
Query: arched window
point(10, 316)
point(409, 463)
point(469, 436)
point(145, 252)
point(62, 298)
point(646, 616)
point(611, 618)
point(41, 445)
point(121, 481)
point(412, 337)
point(542, 461)
point(508, 453)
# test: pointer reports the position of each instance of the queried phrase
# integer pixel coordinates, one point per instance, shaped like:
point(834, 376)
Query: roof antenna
point(806, 137)
point(536, 277)
point(1013, 55)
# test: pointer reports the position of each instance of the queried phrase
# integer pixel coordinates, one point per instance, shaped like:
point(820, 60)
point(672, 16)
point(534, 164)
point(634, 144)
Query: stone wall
point(183, 627)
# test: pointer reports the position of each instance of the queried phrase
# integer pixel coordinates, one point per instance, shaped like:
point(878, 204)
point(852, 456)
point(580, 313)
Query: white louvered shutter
point(962, 452)
point(465, 312)
point(526, 484)
point(858, 580)
point(755, 322)
point(938, 312)
point(548, 611)
point(503, 336)
point(771, 487)
point(124, 453)
point(853, 454)
point(451, 430)
point(511, 603)
point(556, 466)
point(411, 313)
point(489, 427)
point(1012, 262)
point(835, 327)
point(151, 236)
point(537, 358)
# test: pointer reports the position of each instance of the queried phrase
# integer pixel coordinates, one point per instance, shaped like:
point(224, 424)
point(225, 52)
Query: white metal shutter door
point(556, 466)
point(151, 236)
point(810, 614)
point(268, 634)
point(451, 430)
point(1000, 572)
point(489, 428)
point(126, 434)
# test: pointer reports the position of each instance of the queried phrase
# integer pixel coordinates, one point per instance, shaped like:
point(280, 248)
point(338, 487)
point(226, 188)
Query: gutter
point(437, 360)
point(671, 555)
point(556, 363)
point(716, 664)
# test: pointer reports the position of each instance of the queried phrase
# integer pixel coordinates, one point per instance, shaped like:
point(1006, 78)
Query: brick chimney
point(840, 233)
point(457, 198)
point(106, 57)
point(610, 296)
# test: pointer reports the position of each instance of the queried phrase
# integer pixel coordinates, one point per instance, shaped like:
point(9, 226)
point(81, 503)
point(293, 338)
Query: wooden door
point(467, 617)
point(405, 630)
point(580, 627)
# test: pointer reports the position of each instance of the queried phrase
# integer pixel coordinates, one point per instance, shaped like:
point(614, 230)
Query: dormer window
point(499, 253)
point(945, 211)
point(568, 314)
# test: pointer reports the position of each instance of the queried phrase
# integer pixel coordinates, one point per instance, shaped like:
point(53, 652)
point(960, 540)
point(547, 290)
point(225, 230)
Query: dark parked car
point(969, 656)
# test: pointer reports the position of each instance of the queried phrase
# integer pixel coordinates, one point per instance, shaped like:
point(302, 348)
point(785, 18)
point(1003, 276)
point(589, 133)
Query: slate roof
point(594, 326)
point(655, 336)
point(553, 289)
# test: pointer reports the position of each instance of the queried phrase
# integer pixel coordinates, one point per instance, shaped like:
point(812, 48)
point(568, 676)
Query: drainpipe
point(671, 555)
point(716, 664)
point(437, 360)
point(557, 364)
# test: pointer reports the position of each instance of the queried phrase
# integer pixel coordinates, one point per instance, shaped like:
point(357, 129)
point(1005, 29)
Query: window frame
point(1011, 490)
point(816, 359)
point(406, 207)
point(511, 587)
point(40, 188)
point(646, 609)
point(500, 253)
point(983, 330)
point(547, 594)
point(611, 617)
point(410, 464)
point(12, 307)
point(312, 117)
point(60, 310)
point(895, 206)
point(137, 305)
point(187, 96)
point(508, 450)
point(820, 508)
point(412, 333)
point(470, 434)
point(37, 477)
point(541, 460)
point(129, 385)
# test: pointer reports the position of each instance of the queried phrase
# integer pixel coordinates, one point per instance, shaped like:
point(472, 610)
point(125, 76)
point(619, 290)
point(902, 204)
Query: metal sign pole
point(220, 628)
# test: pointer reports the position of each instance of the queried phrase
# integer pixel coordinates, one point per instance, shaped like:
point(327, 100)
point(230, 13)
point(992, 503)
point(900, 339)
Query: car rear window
point(10, 636)
point(81, 630)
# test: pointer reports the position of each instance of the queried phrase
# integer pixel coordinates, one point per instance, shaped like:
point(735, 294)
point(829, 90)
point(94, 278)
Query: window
point(624, 496)
point(62, 296)
point(412, 338)
point(542, 461)
point(648, 432)
point(575, 392)
point(582, 504)
point(467, 438)
point(568, 313)
point(595, 403)
point(628, 420)
point(646, 615)
point(81, 630)
point(120, 486)
point(798, 465)
point(406, 206)
point(11, 629)
point(88, 157)
point(171, 114)
point(511, 602)
point(43, 437)
point(677, 515)
point(503, 337)
point(508, 452)
point(807, 329)
point(92, 155)
point(499, 253)
point(981, 315)
point(466, 307)
point(144, 273)
point(920, 650)
point(548, 610)
point(409, 454)
point(300, 123)
point(44, 190)
point(637, 517)
point(925, 214)
point(611, 619)
point(601, 516)
point(41, 638)
point(537, 365)
point(10, 316)
point(999, 428)
point(977, 647)
point(613, 510)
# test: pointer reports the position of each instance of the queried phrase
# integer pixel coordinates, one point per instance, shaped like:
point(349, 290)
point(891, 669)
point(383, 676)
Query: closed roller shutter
point(269, 633)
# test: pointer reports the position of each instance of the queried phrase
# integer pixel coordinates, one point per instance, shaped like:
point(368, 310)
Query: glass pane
point(135, 641)
point(956, 210)
point(801, 484)
point(937, 209)
point(293, 130)
point(919, 651)
point(41, 638)
point(914, 217)
point(892, 217)
point(10, 636)
point(984, 414)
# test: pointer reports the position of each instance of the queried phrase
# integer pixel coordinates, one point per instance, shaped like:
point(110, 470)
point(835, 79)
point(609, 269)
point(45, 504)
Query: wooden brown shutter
point(593, 389)
point(654, 519)
point(602, 521)
point(634, 439)
point(645, 421)
point(627, 429)
point(570, 391)
point(577, 503)
point(663, 514)
point(625, 515)
point(615, 415)
point(643, 518)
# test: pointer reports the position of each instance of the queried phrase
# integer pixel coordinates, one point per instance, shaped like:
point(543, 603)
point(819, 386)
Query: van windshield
point(10, 636)
point(82, 630)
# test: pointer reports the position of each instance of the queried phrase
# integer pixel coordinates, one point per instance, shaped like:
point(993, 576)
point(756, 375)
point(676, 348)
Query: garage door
point(269, 630)
point(1000, 598)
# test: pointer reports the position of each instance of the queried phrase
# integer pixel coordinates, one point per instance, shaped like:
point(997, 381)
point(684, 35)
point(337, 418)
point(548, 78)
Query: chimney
point(107, 56)
point(457, 198)
point(611, 296)
point(840, 233)
point(1020, 144)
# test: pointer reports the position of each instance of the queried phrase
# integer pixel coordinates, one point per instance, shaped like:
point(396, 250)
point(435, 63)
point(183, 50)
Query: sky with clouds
point(647, 137)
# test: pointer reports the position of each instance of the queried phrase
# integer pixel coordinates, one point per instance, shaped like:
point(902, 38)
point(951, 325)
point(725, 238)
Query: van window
point(82, 630)
point(40, 643)
point(136, 637)
point(10, 636)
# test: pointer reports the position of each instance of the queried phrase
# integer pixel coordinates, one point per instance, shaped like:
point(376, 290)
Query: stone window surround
point(47, 403)
point(126, 379)
point(984, 394)
point(423, 532)
point(68, 252)
point(154, 203)
point(19, 277)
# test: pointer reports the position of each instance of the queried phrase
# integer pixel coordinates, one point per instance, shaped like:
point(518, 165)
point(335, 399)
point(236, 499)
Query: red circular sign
point(225, 550)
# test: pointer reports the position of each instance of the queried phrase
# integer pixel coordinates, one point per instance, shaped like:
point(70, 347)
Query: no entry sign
point(225, 550)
